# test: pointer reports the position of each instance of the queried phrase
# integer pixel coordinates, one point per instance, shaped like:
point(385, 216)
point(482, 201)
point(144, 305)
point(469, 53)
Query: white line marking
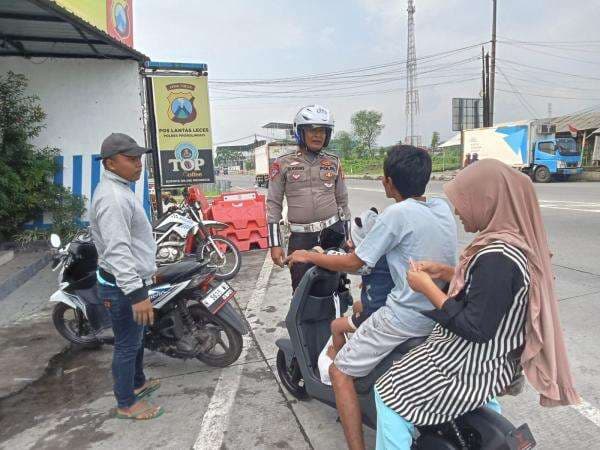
point(366, 189)
point(543, 204)
point(216, 418)
point(588, 411)
point(571, 202)
point(570, 209)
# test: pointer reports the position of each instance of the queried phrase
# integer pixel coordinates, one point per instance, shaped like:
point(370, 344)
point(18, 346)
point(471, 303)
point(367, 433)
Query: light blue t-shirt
point(423, 231)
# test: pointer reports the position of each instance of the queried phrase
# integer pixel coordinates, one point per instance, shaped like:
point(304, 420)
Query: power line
point(346, 95)
point(538, 81)
point(550, 96)
point(541, 52)
point(355, 84)
point(546, 70)
point(433, 56)
point(524, 102)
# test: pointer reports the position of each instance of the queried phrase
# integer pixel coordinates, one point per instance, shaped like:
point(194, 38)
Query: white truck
point(529, 146)
point(264, 157)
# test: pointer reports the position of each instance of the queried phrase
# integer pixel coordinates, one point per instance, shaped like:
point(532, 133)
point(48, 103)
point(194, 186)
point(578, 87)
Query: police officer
point(313, 184)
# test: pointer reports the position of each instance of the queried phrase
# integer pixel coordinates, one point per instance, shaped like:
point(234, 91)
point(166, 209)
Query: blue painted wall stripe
point(58, 175)
point(95, 173)
point(77, 174)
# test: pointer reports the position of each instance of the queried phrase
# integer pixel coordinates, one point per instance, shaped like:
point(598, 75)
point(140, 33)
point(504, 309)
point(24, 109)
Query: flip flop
point(138, 414)
point(151, 386)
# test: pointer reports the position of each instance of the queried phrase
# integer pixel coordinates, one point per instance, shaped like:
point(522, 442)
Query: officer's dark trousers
point(305, 241)
point(300, 241)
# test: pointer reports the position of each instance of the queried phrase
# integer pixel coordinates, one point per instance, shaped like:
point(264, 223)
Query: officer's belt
point(314, 227)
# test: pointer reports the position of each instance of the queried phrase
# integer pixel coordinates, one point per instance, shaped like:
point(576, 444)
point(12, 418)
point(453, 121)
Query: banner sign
point(183, 132)
point(114, 17)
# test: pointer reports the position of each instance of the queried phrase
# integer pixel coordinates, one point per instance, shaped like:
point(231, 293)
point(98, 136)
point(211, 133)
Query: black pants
point(306, 241)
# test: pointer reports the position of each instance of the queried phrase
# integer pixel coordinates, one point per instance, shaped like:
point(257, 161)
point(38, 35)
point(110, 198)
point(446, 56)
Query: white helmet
point(314, 116)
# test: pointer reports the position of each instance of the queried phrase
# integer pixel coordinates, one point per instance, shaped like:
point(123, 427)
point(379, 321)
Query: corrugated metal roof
point(279, 125)
point(453, 141)
point(588, 120)
point(41, 28)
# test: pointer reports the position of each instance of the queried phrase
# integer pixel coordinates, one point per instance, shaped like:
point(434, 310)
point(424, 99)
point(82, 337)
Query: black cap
point(118, 143)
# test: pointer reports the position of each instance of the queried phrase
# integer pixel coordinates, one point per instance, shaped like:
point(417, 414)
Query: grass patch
point(448, 160)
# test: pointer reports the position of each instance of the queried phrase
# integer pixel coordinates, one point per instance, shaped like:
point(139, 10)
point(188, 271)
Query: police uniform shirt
point(314, 186)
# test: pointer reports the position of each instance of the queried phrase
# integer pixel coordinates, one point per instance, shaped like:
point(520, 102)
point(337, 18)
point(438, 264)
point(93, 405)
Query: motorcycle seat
point(178, 271)
point(364, 384)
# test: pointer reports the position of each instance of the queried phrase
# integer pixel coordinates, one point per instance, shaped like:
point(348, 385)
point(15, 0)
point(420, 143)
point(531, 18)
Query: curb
point(23, 275)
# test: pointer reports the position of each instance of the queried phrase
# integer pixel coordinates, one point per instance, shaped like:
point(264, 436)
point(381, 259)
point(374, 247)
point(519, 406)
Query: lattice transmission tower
point(412, 93)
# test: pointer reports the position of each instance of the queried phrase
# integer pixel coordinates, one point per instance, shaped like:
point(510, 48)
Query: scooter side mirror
point(55, 240)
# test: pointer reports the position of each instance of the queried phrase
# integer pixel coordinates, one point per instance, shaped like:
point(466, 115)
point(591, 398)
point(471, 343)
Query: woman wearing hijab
point(500, 316)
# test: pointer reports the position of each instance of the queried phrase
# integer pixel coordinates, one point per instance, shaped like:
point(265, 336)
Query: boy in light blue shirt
point(414, 228)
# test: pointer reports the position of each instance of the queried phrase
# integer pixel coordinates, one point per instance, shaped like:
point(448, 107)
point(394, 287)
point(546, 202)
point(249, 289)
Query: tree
point(435, 139)
point(26, 188)
point(367, 127)
point(343, 143)
point(228, 156)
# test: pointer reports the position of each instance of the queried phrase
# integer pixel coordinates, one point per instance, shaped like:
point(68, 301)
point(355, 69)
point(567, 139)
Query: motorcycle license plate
point(218, 296)
point(521, 438)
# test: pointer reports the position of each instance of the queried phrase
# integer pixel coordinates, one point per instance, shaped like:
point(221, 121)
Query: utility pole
point(549, 109)
point(493, 72)
point(487, 89)
point(484, 93)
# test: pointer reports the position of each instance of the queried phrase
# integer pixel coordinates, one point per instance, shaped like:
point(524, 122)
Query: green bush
point(26, 172)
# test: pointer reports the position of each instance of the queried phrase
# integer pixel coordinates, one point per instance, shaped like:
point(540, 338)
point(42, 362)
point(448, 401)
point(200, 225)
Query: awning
point(452, 142)
point(41, 28)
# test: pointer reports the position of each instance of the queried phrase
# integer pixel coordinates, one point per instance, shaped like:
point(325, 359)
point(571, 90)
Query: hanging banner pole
point(154, 146)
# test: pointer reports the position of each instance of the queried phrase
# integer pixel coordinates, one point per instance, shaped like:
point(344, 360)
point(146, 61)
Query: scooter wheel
point(290, 376)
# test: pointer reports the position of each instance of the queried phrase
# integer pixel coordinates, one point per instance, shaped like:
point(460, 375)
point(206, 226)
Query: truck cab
point(555, 157)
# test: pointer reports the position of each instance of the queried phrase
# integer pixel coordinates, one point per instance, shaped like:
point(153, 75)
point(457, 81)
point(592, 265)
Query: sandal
point(152, 412)
point(150, 386)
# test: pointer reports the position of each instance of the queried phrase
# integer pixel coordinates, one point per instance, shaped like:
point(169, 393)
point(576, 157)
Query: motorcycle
point(193, 316)
point(308, 323)
point(184, 233)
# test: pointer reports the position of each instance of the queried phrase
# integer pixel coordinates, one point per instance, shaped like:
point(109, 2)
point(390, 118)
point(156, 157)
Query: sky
point(266, 59)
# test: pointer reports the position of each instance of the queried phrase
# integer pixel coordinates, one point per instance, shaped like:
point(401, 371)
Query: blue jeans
point(396, 433)
point(128, 354)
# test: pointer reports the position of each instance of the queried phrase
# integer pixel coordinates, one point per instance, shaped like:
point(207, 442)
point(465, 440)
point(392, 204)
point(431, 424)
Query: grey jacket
point(123, 236)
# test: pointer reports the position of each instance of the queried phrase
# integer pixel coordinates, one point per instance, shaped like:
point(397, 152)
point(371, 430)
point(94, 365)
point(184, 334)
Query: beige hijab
point(501, 204)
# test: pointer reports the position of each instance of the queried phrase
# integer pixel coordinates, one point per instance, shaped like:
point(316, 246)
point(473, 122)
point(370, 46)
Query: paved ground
point(243, 406)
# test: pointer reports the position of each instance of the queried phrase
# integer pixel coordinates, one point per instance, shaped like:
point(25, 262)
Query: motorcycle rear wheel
point(76, 330)
point(232, 348)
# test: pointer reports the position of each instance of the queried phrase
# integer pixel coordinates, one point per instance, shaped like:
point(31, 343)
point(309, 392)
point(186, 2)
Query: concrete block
point(6, 256)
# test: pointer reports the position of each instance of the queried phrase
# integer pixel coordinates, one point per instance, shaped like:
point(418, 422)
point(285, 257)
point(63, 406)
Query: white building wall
point(85, 100)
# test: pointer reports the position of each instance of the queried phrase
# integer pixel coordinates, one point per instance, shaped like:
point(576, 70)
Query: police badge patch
point(275, 168)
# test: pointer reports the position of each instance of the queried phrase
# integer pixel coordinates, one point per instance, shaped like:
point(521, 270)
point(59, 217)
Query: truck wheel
point(542, 175)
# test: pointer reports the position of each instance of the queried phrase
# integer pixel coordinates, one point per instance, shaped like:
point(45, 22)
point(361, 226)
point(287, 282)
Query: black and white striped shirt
point(472, 352)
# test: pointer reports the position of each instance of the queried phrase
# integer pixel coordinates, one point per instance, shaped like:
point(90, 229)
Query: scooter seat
point(364, 384)
point(178, 271)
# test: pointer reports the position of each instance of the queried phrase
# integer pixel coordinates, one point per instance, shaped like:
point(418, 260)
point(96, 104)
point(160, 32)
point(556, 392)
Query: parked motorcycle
point(182, 233)
point(193, 316)
point(308, 323)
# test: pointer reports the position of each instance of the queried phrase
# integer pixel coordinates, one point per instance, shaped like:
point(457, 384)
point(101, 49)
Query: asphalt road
point(244, 407)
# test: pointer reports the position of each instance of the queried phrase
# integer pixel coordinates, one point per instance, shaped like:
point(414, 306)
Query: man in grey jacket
point(126, 259)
